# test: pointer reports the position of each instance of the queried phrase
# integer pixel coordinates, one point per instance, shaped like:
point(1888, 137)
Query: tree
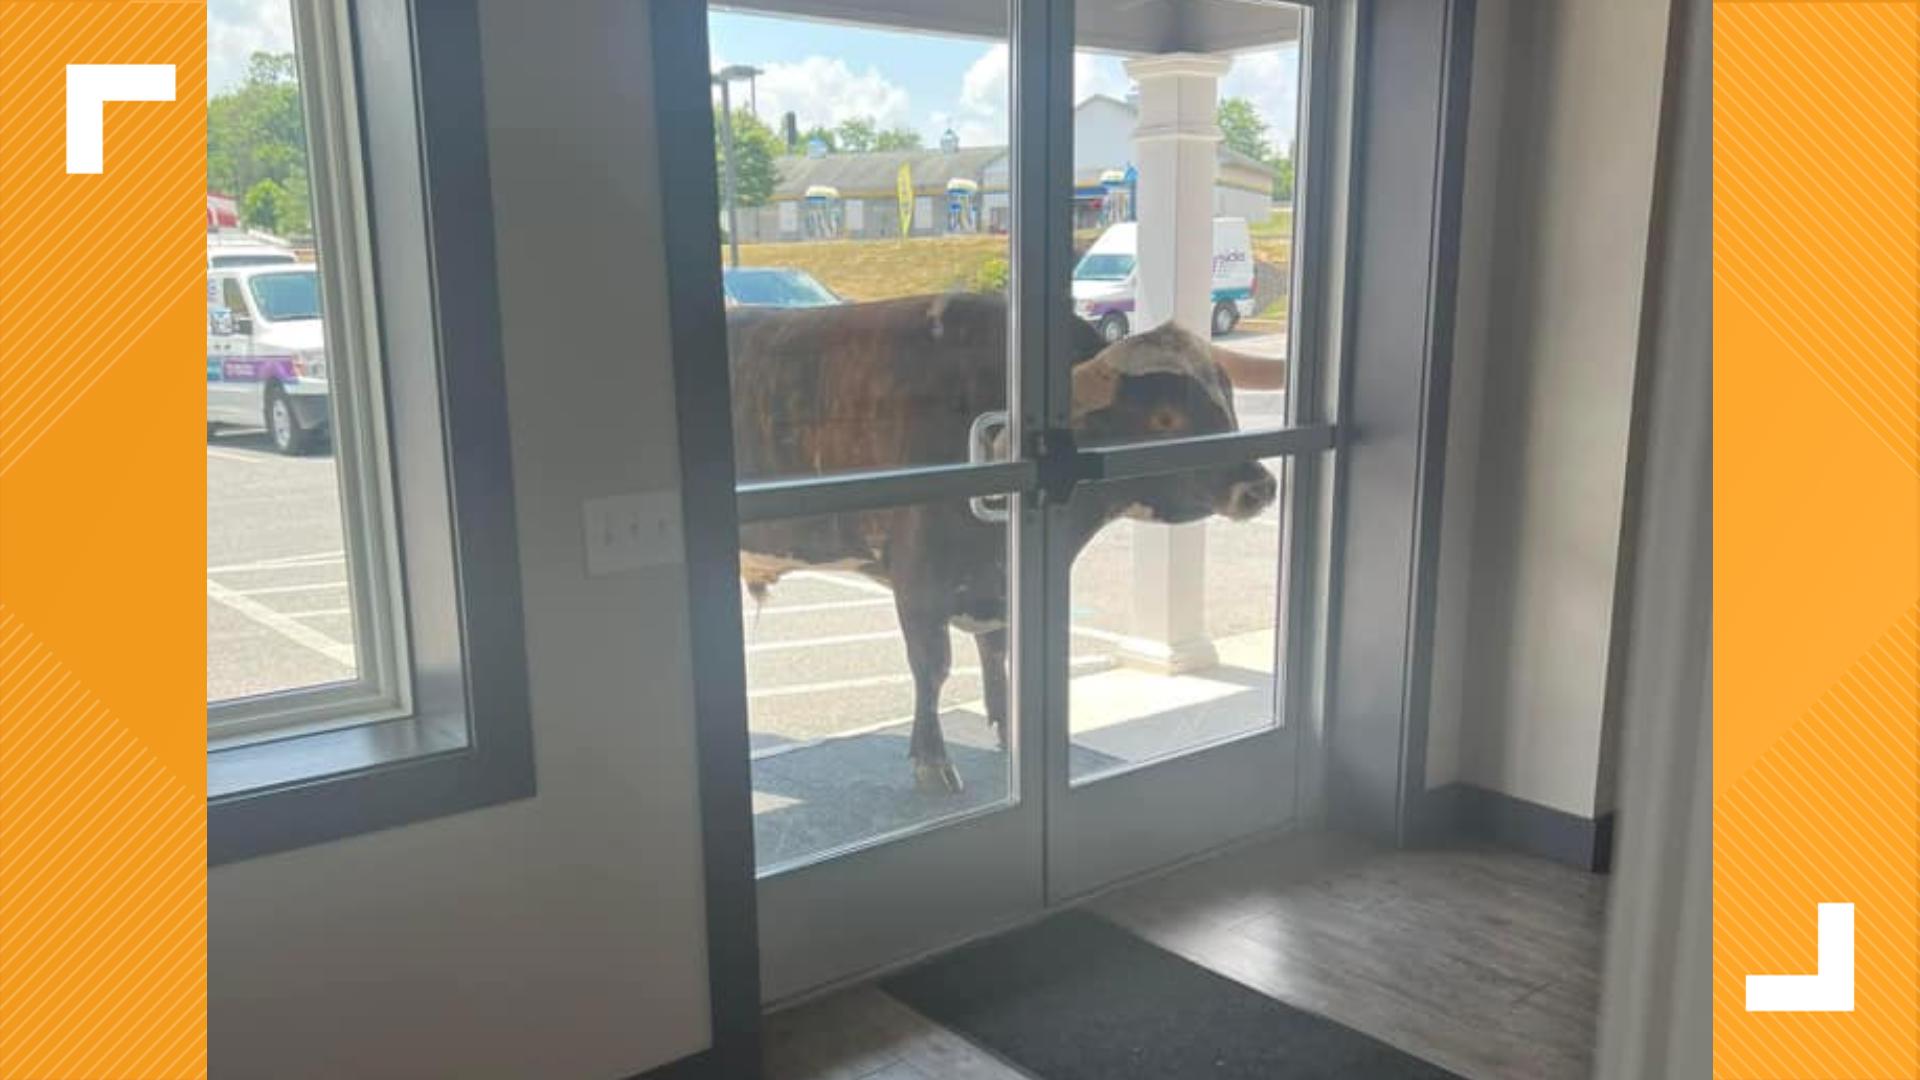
point(755, 148)
point(1243, 129)
point(256, 134)
point(1283, 178)
point(260, 207)
point(899, 138)
point(825, 135)
point(855, 135)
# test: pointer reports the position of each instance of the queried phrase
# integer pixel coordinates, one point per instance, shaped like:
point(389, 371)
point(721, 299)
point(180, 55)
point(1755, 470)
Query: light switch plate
point(633, 532)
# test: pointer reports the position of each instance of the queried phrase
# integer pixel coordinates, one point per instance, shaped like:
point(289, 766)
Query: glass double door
point(1029, 465)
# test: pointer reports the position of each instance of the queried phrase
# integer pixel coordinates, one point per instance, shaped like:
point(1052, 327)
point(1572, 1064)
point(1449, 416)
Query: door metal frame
point(1257, 760)
point(1041, 40)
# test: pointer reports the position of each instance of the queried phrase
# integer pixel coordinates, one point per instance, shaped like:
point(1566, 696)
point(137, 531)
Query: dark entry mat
point(1077, 998)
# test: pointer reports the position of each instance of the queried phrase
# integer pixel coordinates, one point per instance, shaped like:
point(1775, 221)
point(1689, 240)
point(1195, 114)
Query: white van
point(227, 250)
point(1106, 278)
point(266, 362)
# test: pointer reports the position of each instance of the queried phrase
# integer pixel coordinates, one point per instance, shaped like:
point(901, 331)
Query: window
point(303, 631)
point(286, 295)
point(353, 680)
point(232, 297)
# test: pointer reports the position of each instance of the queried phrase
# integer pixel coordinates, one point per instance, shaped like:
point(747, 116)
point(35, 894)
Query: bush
point(991, 276)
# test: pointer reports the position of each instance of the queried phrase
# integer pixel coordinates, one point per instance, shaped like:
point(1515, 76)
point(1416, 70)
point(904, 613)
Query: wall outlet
point(632, 532)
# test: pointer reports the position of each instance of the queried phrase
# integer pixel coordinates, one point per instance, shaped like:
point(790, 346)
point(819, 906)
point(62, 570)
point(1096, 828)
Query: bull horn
point(1251, 372)
point(1095, 382)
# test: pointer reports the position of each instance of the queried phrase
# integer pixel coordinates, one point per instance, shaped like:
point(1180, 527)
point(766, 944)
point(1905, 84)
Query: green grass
point(877, 269)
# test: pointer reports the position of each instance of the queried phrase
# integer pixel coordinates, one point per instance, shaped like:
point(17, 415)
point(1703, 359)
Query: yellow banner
point(903, 186)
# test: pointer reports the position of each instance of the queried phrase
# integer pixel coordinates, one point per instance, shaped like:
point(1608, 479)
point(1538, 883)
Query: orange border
point(1816, 525)
point(102, 536)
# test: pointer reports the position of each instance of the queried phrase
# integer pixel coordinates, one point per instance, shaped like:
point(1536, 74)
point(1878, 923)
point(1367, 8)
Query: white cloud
point(825, 91)
point(1098, 73)
point(981, 119)
point(1270, 79)
point(236, 29)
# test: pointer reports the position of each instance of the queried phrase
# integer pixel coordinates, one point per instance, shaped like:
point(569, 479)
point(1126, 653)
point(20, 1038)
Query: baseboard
point(698, 1066)
point(1454, 811)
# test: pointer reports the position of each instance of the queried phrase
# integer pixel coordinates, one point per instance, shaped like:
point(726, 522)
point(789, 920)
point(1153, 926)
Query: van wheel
point(1113, 327)
point(283, 425)
point(1225, 318)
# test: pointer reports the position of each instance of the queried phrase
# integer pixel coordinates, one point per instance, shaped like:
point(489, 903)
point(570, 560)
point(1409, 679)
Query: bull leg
point(993, 678)
point(929, 655)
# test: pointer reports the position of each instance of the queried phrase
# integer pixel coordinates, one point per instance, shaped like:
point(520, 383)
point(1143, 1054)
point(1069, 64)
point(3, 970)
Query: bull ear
point(1250, 372)
point(1095, 382)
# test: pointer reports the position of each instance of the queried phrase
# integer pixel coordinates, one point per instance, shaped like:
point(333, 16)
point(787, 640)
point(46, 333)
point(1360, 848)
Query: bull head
point(1165, 383)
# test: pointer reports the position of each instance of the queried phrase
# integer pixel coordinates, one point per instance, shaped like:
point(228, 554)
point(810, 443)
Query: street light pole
point(724, 77)
point(726, 155)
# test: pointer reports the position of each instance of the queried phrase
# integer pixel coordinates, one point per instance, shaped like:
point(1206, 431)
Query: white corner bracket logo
point(1828, 990)
point(89, 88)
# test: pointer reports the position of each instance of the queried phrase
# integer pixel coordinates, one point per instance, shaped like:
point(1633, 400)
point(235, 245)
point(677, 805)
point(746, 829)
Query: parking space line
point(297, 632)
point(808, 643)
point(845, 581)
point(888, 680)
point(827, 605)
point(245, 459)
point(318, 613)
point(271, 590)
point(289, 562)
point(878, 635)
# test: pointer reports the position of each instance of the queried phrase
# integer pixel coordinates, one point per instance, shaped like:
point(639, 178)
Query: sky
point(826, 73)
point(236, 29)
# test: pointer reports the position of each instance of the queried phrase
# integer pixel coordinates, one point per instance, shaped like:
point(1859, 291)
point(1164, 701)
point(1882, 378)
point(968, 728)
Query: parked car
point(775, 287)
point(1107, 278)
point(266, 361)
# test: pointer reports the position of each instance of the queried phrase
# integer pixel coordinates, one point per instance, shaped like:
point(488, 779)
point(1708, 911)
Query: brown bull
point(898, 383)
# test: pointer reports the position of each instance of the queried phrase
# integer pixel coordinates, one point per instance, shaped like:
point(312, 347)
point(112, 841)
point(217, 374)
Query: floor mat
point(1077, 998)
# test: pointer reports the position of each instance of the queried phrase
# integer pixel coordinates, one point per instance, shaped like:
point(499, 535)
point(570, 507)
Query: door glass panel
point(845, 653)
point(1177, 630)
point(1195, 222)
point(863, 178)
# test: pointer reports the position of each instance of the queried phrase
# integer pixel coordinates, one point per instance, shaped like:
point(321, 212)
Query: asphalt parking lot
point(277, 607)
point(824, 654)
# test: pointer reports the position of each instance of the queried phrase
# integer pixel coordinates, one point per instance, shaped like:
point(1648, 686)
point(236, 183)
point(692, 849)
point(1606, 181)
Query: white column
point(1175, 152)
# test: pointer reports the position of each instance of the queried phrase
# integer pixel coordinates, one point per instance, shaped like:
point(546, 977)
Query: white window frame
point(382, 686)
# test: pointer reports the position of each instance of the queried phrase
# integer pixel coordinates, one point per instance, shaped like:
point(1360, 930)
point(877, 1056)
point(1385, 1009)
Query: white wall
point(562, 935)
point(1102, 135)
point(1554, 254)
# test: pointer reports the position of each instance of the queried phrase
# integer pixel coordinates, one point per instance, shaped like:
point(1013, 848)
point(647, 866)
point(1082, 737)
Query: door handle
point(987, 444)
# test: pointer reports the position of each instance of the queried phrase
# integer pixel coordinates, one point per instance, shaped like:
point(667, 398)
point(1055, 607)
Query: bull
point(898, 383)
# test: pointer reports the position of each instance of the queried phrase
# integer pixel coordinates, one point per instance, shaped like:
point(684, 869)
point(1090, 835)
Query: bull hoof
point(1000, 732)
point(937, 778)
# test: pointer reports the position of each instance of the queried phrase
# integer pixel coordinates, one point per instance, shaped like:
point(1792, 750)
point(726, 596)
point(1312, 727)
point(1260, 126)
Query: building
point(955, 189)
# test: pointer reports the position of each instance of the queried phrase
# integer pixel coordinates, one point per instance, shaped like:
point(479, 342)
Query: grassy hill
point(876, 269)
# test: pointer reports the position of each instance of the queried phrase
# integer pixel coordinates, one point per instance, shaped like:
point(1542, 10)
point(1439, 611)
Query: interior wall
point(1465, 407)
point(1556, 242)
point(561, 935)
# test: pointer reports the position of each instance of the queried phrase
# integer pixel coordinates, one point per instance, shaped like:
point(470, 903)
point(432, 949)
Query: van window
point(287, 296)
point(1103, 266)
point(262, 259)
point(232, 298)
